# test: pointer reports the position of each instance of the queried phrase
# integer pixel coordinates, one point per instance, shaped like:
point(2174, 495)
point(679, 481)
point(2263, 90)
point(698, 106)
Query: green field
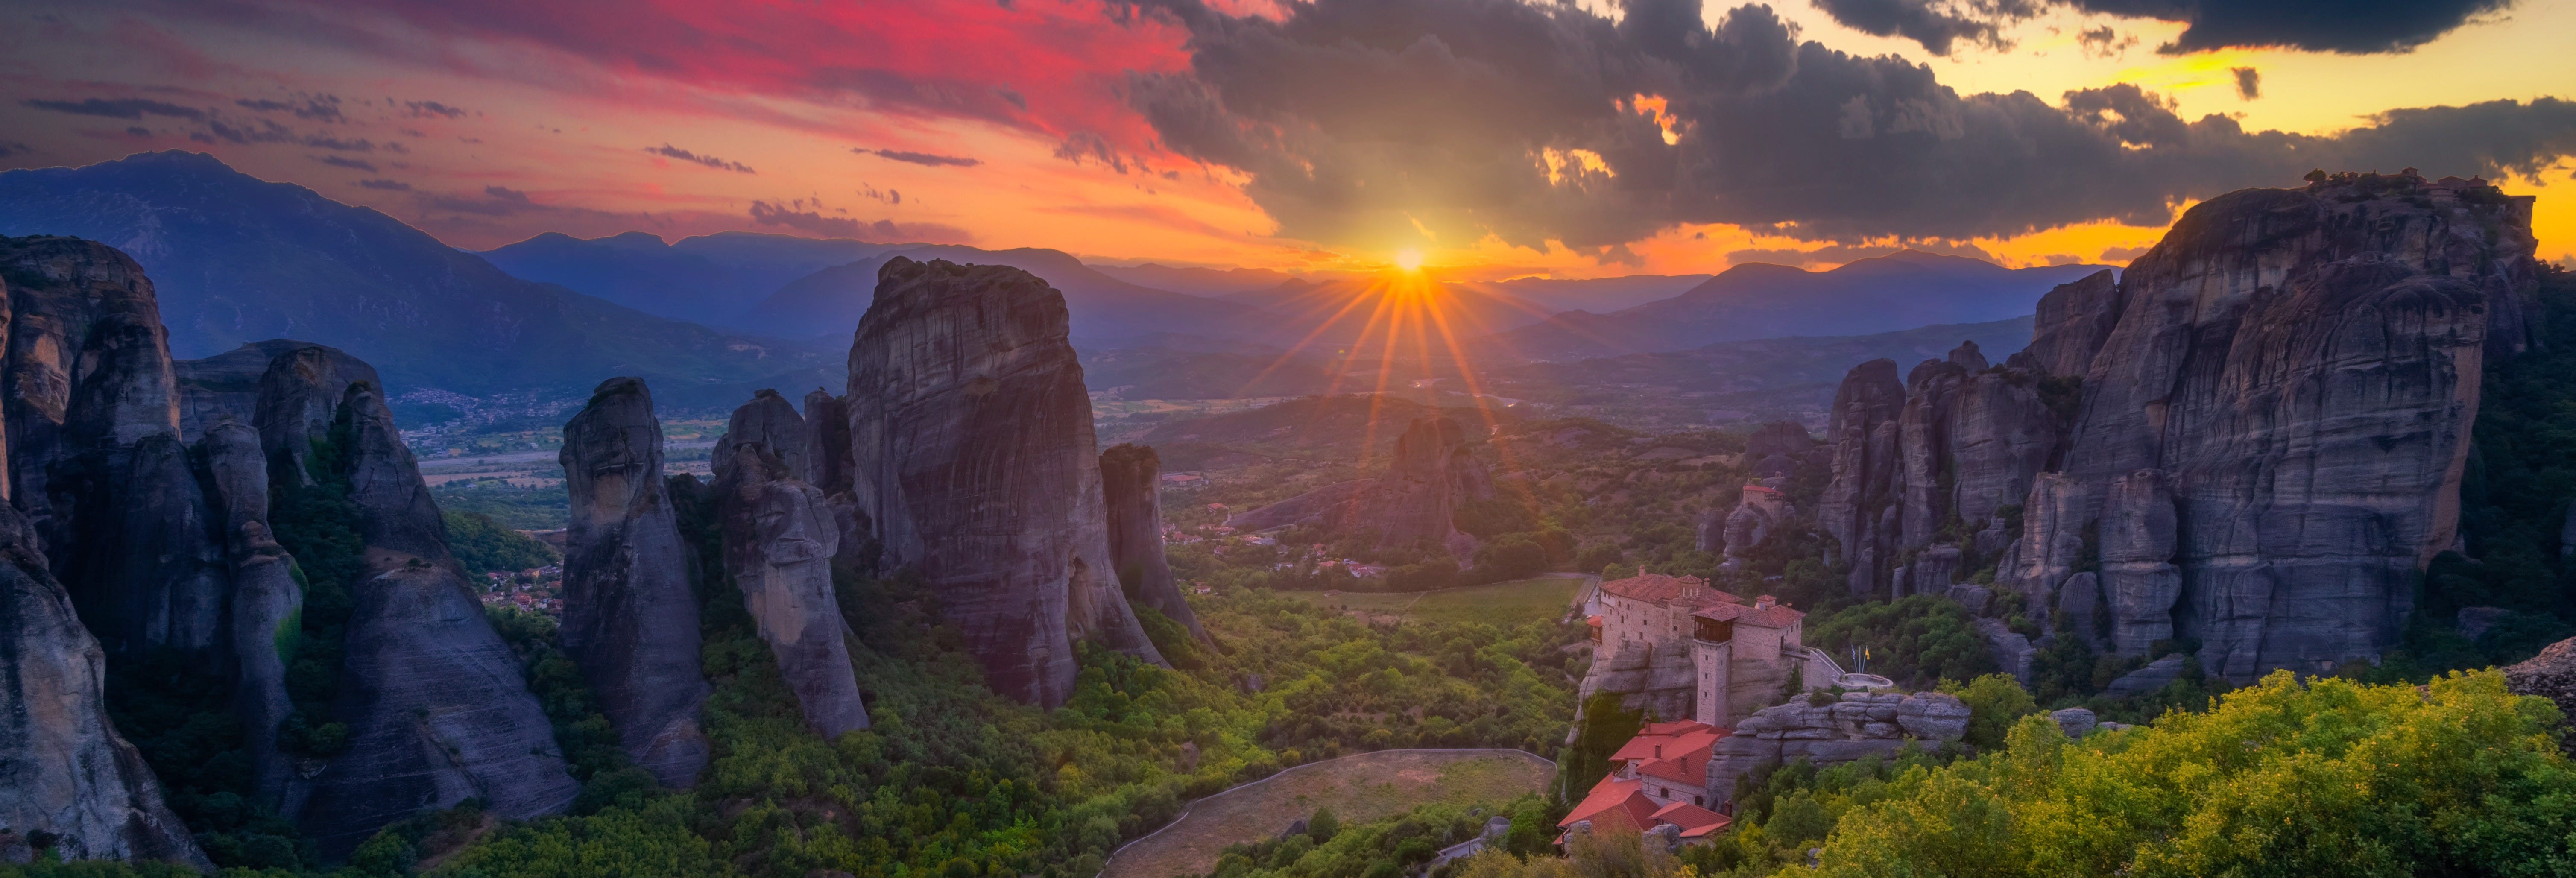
point(1502, 603)
point(1368, 786)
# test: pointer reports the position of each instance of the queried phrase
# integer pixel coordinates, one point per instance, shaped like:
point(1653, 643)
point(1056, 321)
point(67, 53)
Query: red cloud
point(1049, 66)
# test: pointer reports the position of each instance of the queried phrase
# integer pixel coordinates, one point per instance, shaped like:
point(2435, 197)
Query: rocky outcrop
point(630, 620)
point(779, 541)
point(266, 603)
point(68, 781)
point(2073, 320)
point(94, 455)
point(299, 398)
point(1855, 726)
point(1129, 475)
point(975, 464)
point(1758, 511)
point(2550, 675)
point(2273, 426)
point(827, 425)
point(226, 385)
point(438, 711)
point(1929, 465)
point(1432, 472)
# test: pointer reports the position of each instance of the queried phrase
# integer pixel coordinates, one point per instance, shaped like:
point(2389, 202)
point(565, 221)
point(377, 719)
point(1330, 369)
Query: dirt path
point(1362, 787)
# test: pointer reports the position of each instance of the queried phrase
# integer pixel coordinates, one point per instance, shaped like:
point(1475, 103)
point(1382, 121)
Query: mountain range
point(237, 259)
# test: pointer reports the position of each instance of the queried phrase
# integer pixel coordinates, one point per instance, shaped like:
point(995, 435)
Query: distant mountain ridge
point(1890, 293)
point(710, 279)
point(1103, 307)
point(237, 259)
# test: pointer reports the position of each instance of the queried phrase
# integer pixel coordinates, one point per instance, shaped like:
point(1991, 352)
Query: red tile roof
point(1614, 805)
point(1676, 751)
point(1695, 821)
point(1668, 590)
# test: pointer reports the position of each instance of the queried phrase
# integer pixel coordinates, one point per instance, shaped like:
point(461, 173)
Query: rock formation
point(1416, 499)
point(266, 602)
point(92, 415)
point(827, 424)
point(299, 399)
point(974, 462)
point(437, 709)
point(1855, 726)
point(2274, 418)
point(2550, 675)
point(630, 619)
point(226, 385)
point(1129, 475)
point(65, 773)
point(779, 541)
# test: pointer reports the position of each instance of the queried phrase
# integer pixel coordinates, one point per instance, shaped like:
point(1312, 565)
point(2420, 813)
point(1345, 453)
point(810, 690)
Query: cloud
point(797, 215)
point(670, 151)
point(342, 162)
point(2249, 82)
point(12, 147)
point(919, 158)
point(319, 108)
point(385, 185)
point(138, 131)
point(2104, 42)
point(2350, 27)
point(1468, 99)
point(121, 108)
point(432, 108)
point(1933, 24)
point(1838, 254)
point(2122, 255)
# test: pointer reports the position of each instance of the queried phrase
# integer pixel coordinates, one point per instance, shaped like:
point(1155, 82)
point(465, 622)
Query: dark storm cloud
point(1932, 24)
point(2352, 27)
point(1521, 120)
point(2249, 82)
point(919, 158)
point(668, 151)
point(121, 108)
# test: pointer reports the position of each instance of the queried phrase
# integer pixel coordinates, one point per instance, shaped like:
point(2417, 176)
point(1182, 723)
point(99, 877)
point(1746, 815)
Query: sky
point(1494, 138)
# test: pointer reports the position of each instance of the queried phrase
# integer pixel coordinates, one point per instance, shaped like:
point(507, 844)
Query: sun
point(1409, 260)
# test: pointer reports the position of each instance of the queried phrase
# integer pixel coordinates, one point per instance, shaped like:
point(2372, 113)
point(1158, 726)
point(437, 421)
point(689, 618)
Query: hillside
point(708, 279)
point(1761, 300)
point(236, 259)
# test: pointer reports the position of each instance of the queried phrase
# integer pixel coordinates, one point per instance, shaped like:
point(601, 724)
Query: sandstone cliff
point(65, 773)
point(1432, 472)
point(974, 461)
point(2274, 423)
point(1129, 476)
point(779, 541)
point(438, 711)
point(630, 620)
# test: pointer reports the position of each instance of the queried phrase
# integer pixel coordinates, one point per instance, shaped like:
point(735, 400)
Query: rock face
point(226, 385)
point(64, 771)
point(1128, 476)
point(827, 425)
point(630, 619)
point(266, 602)
point(437, 709)
point(1858, 725)
point(94, 454)
point(1416, 499)
point(2274, 418)
point(299, 398)
point(975, 464)
point(1923, 469)
point(779, 540)
point(2550, 675)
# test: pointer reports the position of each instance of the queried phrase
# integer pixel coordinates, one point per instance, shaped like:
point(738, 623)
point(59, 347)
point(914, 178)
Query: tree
point(1994, 702)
